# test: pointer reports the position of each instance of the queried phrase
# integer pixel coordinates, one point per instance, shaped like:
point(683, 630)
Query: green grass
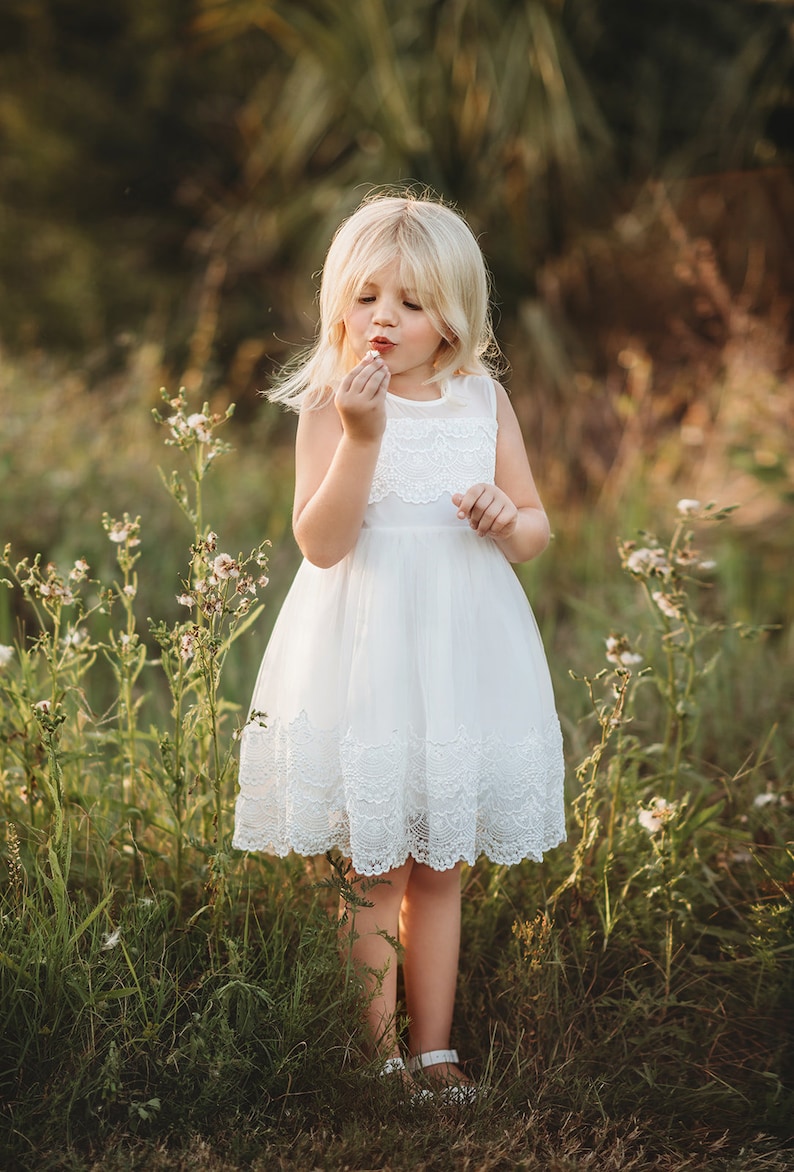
point(167, 1003)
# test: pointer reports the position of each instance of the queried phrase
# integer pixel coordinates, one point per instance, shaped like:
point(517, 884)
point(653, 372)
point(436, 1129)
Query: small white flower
point(118, 532)
point(75, 637)
point(6, 655)
point(761, 800)
point(687, 507)
point(666, 605)
point(648, 821)
point(685, 557)
point(198, 425)
point(125, 640)
point(224, 566)
point(707, 564)
point(647, 561)
point(619, 651)
point(211, 542)
point(130, 591)
point(42, 706)
point(657, 816)
point(176, 423)
point(184, 599)
point(79, 570)
point(262, 580)
point(187, 646)
point(111, 939)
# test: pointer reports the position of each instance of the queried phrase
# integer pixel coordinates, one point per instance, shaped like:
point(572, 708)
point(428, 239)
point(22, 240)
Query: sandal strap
point(432, 1058)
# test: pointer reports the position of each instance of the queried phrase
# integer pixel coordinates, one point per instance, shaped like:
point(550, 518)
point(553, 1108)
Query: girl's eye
point(410, 305)
point(364, 300)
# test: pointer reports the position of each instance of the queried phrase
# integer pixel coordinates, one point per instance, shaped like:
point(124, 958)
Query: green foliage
point(154, 151)
point(157, 989)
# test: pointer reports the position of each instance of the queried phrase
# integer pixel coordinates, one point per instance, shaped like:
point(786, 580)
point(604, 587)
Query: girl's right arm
point(336, 451)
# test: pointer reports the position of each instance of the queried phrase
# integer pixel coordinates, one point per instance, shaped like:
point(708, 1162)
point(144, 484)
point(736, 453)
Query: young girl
point(410, 720)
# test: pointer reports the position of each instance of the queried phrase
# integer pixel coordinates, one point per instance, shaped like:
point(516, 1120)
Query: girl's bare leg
point(372, 954)
point(430, 935)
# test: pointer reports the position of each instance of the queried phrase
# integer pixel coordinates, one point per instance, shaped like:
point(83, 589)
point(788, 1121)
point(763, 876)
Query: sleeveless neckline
point(421, 402)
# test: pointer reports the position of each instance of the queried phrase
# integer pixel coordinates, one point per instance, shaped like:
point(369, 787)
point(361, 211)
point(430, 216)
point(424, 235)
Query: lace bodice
point(431, 450)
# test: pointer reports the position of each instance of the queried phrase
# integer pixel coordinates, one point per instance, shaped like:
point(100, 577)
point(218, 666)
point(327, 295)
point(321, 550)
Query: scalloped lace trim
point(310, 790)
point(421, 459)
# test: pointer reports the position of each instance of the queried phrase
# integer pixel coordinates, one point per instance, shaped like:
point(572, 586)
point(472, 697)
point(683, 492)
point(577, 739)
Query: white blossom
point(647, 561)
point(42, 706)
point(111, 939)
point(657, 815)
point(187, 646)
point(666, 604)
point(121, 531)
point(761, 800)
point(198, 425)
point(130, 590)
point(6, 655)
point(79, 570)
point(224, 566)
point(185, 599)
point(687, 507)
point(619, 651)
point(75, 637)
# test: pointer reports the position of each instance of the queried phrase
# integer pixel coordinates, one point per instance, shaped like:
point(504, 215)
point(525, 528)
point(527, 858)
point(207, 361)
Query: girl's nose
point(384, 314)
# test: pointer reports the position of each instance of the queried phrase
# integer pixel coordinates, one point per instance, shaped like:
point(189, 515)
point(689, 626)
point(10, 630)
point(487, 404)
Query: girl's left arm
point(510, 511)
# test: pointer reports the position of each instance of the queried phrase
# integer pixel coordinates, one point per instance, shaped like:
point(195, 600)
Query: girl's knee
point(430, 880)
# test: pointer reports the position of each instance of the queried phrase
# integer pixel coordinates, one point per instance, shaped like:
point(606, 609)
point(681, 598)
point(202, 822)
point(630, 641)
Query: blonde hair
point(440, 262)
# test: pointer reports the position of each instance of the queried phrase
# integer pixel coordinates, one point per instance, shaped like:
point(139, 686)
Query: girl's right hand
point(361, 400)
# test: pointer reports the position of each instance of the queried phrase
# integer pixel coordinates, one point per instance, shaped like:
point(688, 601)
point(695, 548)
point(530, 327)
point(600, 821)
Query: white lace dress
point(408, 704)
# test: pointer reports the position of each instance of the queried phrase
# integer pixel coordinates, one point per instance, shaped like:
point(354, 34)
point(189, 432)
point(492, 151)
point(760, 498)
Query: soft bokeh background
point(170, 174)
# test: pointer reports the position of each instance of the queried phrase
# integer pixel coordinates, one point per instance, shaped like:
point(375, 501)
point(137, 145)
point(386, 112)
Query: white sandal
point(456, 1093)
point(395, 1065)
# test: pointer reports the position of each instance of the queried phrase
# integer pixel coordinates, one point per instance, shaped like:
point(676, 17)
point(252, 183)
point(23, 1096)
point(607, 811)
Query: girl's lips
point(382, 345)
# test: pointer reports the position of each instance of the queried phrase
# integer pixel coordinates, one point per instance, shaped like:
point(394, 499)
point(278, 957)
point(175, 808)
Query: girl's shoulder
point(475, 393)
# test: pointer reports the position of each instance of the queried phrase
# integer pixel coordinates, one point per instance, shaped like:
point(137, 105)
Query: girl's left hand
point(489, 511)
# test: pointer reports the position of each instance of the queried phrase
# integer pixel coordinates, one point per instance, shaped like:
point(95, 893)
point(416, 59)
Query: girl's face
point(389, 319)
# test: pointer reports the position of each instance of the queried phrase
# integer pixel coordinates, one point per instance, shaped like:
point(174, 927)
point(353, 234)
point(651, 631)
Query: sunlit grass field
point(168, 1003)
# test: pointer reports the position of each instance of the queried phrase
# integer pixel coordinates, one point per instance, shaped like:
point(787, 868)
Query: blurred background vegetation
point(170, 174)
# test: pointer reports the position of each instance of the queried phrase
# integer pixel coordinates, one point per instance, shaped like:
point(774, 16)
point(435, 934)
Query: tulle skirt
point(404, 707)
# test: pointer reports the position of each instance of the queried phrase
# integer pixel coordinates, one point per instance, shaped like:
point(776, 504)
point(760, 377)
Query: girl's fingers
point(365, 378)
point(486, 508)
point(470, 504)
